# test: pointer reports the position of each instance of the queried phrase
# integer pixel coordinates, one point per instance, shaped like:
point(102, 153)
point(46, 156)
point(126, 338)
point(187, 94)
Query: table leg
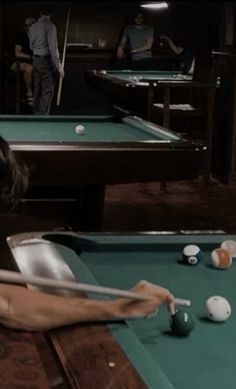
point(166, 122)
point(166, 115)
point(18, 87)
point(232, 142)
point(209, 134)
point(150, 100)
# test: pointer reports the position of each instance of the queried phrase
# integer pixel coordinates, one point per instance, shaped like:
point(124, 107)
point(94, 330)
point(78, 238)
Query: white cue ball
point(218, 308)
point(79, 129)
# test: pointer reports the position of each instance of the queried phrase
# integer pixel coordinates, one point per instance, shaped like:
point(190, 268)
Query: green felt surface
point(205, 359)
point(62, 129)
point(146, 75)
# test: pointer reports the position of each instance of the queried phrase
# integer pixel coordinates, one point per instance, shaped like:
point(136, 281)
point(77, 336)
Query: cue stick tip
point(179, 301)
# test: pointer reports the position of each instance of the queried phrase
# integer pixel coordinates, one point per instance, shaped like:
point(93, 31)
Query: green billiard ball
point(182, 323)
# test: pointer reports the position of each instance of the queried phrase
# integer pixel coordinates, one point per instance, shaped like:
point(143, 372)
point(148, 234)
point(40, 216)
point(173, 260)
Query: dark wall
point(193, 23)
point(197, 22)
point(1, 58)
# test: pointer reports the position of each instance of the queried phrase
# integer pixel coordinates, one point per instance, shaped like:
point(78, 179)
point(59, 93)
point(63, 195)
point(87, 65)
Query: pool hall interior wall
point(1, 60)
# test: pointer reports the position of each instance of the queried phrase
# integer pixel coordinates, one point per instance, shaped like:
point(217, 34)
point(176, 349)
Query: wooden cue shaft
point(14, 277)
point(223, 53)
point(63, 57)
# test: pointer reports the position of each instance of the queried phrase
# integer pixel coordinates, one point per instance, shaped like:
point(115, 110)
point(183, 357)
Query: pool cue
point(63, 58)
point(223, 54)
point(14, 277)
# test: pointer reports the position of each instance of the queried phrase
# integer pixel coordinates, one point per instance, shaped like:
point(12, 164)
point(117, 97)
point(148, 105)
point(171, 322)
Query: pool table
point(137, 353)
point(113, 150)
point(137, 91)
point(145, 92)
point(141, 76)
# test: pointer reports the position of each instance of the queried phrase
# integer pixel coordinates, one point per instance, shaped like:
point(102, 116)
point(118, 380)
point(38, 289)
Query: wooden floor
point(187, 205)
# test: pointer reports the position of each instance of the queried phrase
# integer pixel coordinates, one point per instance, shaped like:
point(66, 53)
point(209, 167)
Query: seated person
point(185, 55)
point(23, 54)
point(140, 40)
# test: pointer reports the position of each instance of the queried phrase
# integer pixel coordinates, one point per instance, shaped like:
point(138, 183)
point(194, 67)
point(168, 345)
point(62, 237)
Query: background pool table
point(150, 94)
point(113, 150)
point(140, 353)
point(144, 75)
point(134, 90)
point(137, 91)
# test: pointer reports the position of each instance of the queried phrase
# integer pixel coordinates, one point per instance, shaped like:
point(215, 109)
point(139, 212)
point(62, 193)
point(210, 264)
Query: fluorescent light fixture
point(157, 5)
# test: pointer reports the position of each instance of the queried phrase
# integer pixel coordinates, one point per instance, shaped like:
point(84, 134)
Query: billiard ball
point(230, 246)
point(180, 76)
point(181, 323)
point(191, 254)
point(79, 129)
point(218, 308)
point(103, 72)
point(221, 258)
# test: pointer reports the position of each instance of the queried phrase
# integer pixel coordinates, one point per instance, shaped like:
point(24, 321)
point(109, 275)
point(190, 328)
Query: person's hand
point(120, 52)
point(165, 38)
point(61, 72)
point(127, 308)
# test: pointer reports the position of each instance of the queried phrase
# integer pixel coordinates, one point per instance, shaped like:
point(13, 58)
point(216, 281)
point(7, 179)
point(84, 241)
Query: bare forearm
point(142, 48)
point(24, 309)
point(176, 49)
point(20, 54)
point(77, 310)
point(34, 311)
point(120, 49)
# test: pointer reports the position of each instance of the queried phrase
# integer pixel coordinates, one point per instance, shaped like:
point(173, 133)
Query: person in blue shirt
point(139, 38)
point(46, 61)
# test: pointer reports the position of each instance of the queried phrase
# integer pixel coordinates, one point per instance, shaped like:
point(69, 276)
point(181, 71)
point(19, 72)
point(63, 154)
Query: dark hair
point(46, 11)
point(139, 12)
point(13, 177)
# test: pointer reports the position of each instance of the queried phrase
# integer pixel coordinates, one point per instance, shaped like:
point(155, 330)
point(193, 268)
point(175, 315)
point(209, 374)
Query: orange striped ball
point(221, 258)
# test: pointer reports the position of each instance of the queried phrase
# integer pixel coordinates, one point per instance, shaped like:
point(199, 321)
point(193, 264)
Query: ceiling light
point(157, 5)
